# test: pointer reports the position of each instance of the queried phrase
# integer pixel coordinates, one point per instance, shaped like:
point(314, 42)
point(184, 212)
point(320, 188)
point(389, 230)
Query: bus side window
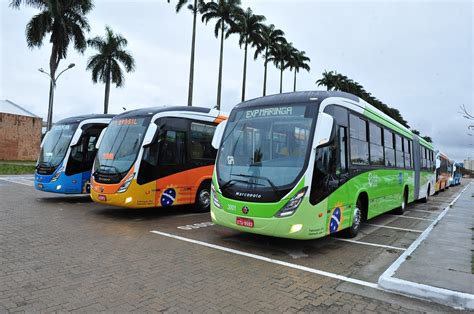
point(173, 149)
point(359, 141)
point(376, 148)
point(388, 148)
point(343, 149)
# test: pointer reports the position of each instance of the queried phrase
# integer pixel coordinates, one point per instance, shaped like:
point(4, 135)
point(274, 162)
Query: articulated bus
point(307, 164)
point(67, 154)
point(157, 157)
point(443, 171)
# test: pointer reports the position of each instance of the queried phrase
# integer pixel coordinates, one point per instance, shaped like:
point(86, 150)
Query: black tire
point(400, 210)
point(425, 199)
point(353, 230)
point(203, 197)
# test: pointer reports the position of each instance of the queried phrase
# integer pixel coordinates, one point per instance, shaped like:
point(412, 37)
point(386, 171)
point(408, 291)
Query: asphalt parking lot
point(62, 253)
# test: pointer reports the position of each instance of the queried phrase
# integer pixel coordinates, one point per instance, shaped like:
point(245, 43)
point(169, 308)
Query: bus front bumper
point(63, 185)
point(293, 227)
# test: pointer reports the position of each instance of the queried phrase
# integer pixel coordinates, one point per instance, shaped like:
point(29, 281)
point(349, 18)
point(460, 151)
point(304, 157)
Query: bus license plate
point(102, 198)
point(244, 222)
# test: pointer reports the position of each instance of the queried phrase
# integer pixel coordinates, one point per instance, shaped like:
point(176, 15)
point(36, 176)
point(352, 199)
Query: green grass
point(17, 167)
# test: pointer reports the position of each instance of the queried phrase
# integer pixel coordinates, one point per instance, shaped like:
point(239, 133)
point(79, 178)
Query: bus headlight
point(215, 199)
point(293, 204)
point(57, 174)
point(126, 184)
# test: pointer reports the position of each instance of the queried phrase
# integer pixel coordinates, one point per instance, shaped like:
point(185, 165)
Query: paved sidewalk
point(444, 259)
point(440, 268)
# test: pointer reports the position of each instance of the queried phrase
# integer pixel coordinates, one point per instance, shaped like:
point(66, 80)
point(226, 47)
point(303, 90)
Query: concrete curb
point(444, 296)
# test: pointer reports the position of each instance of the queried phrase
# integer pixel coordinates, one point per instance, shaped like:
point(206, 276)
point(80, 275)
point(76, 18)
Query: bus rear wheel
point(203, 197)
point(400, 210)
point(425, 199)
point(353, 230)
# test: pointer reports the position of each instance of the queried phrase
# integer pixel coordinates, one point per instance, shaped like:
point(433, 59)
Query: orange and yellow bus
point(443, 170)
point(157, 157)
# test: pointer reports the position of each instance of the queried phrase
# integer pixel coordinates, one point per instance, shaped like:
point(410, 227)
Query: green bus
point(304, 165)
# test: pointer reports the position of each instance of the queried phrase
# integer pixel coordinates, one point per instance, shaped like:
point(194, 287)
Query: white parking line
point(22, 181)
point(395, 228)
point(410, 217)
point(271, 260)
point(372, 244)
point(424, 211)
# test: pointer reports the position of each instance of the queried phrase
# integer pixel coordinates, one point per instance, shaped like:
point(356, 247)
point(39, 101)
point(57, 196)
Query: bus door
point(416, 165)
point(164, 161)
point(83, 153)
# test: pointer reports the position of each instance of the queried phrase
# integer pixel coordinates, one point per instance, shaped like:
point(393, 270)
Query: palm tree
point(224, 11)
point(195, 7)
point(105, 65)
point(335, 81)
point(248, 26)
point(271, 37)
point(298, 61)
point(66, 21)
point(280, 55)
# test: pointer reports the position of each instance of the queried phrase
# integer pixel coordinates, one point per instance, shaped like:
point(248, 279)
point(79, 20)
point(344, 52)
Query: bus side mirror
point(217, 138)
point(324, 127)
point(438, 163)
point(150, 134)
point(99, 140)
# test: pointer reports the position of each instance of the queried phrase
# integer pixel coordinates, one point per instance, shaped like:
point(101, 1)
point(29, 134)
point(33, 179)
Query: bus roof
point(319, 96)
point(84, 117)
point(295, 97)
point(154, 110)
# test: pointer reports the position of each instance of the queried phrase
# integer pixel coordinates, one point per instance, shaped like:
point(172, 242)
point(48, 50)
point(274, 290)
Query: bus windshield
point(120, 146)
point(55, 144)
point(265, 146)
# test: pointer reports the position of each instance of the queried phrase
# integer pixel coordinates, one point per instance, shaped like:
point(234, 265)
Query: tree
point(428, 139)
point(248, 26)
point(297, 61)
point(335, 81)
point(224, 11)
point(194, 8)
point(105, 65)
point(280, 55)
point(270, 38)
point(66, 21)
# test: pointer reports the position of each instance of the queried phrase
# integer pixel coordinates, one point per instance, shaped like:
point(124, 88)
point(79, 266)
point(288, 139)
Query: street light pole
point(52, 86)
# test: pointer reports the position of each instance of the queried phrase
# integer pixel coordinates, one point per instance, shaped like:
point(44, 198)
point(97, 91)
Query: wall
point(20, 137)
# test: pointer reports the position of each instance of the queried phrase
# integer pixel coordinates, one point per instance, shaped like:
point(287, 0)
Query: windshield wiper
point(231, 181)
point(47, 164)
point(274, 188)
point(117, 172)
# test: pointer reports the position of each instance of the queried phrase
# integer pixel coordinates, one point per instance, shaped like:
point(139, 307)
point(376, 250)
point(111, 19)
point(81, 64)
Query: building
point(469, 164)
point(20, 132)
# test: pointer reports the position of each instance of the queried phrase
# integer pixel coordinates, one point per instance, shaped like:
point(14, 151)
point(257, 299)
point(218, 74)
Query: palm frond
point(37, 28)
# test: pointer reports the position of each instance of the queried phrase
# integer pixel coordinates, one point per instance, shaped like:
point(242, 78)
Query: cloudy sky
point(416, 56)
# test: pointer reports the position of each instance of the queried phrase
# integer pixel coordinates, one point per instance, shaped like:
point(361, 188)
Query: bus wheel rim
point(204, 198)
point(356, 223)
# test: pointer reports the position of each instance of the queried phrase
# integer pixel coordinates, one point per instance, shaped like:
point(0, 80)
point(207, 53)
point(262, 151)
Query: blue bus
point(457, 175)
point(67, 154)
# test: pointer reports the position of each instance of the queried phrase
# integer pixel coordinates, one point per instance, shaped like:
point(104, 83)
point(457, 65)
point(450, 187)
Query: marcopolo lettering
point(265, 112)
point(250, 195)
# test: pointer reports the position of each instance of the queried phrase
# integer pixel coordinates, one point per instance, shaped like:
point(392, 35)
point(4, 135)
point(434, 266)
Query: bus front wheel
point(203, 197)
point(353, 230)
